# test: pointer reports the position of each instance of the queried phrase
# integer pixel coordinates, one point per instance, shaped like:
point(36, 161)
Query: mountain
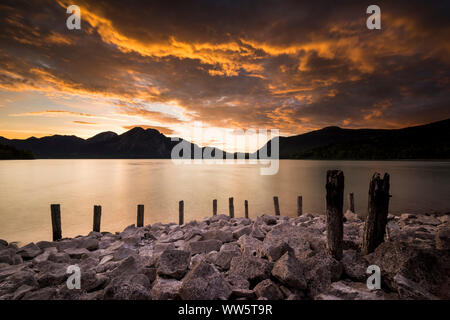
point(430, 141)
point(11, 153)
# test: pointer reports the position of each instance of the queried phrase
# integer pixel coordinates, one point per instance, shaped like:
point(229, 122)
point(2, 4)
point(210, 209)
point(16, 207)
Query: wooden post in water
point(351, 202)
point(299, 206)
point(140, 215)
point(56, 221)
point(376, 220)
point(335, 222)
point(246, 208)
point(97, 218)
point(231, 207)
point(181, 212)
point(276, 206)
point(215, 207)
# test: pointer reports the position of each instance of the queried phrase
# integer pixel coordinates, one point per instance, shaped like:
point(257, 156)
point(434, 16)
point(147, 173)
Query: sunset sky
point(171, 65)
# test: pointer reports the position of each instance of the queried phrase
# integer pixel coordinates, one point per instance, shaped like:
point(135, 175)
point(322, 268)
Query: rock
point(204, 246)
point(273, 250)
point(29, 251)
point(355, 266)
point(320, 271)
point(224, 256)
point(16, 279)
point(173, 263)
point(204, 283)
point(241, 231)
point(269, 220)
point(45, 255)
point(294, 236)
point(21, 291)
point(126, 266)
point(257, 232)
point(251, 268)
point(250, 245)
point(289, 271)
point(51, 273)
point(347, 290)
point(269, 290)
point(237, 281)
point(46, 244)
point(218, 234)
point(123, 253)
point(59, 257)
point(42, 294)
point(77, 253)
point(89, 244)
point(128, 287)
point(442, 238)
point(408, 289)
point(3, 243)
point(242, 293)
point(166, 289)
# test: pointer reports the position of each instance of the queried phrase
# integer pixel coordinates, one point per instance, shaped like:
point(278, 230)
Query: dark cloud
point(291, 65)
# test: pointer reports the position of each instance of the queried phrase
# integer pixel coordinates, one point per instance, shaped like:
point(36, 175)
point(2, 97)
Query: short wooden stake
point(351, 202)
point(246, 208)
point(335, 222)
point(215, 207)
point(56, 221)
point(376, 220)
point(97, 218)
point(140, 215)
point(276, 206)
point(181, 212)
point(299, 206)
point(231, 207)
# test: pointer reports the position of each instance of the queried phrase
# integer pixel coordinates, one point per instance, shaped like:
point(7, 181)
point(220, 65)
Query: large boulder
point(173, 263)
point(289, 271)
point(204, 282)
point(355, 266)
point(320, 271)
point(128, 287)
point(204, 246)
point(442, 238)
point(226, 253)
point(252, 268)
point(348, 290)
point(269, 290)
point(166, 289)
point(29, 251)
point(293, 236)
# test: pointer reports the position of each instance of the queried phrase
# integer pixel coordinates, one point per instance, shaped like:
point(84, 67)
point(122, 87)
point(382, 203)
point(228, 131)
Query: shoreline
point(269, 257)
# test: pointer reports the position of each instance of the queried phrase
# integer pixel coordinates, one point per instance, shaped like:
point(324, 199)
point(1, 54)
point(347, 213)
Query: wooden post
point(140, 215)
point(231, 207)
point(276, 206)
point(376, 220)
point(56, 221)
point(335, 222)
point(351, 202)
point(97, 218)
point(215, 207)
point(299, 206)
point(181, 212)
point(246, 208)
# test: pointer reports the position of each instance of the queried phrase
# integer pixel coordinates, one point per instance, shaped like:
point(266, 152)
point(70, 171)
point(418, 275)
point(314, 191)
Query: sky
point(225, 66)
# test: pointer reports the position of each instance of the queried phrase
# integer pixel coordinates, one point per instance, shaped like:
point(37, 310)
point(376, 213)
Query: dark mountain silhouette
point(429, 141)
point(11, 153)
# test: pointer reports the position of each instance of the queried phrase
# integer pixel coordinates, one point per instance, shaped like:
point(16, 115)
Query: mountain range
point(430, 141)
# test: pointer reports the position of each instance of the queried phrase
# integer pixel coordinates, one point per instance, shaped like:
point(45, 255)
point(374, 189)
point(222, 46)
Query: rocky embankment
point(221, 258)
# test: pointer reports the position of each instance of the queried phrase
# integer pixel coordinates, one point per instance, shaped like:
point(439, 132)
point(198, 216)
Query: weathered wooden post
point(335, 222)
point(231, 207)
point(181, 212)
point(97, 218)
point(276, 206)
point(299, 206)
point(351, 202)
point(56, 221)
point(140, 215)
point(376, 220)
point(246, 208)
point(215, 207)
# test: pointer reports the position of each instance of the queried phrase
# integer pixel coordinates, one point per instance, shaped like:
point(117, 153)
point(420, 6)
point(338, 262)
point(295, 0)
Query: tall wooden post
point(335, 222)
point(215, 207)
point(97, 218)
point(140, 215)
point(299, 206)
point(56, 221)
point(246, 208)
point(376, 220)
point(181, 212)
point(276, 206)
point(351, 202)
point(231, 207)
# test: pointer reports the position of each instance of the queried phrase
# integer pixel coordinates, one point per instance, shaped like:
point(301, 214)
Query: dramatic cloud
point(233, 64)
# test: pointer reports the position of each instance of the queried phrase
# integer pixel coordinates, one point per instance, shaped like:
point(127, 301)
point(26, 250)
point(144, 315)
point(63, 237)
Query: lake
point(29, 187)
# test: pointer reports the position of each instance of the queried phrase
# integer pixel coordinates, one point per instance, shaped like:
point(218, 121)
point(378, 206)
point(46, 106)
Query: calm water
point(29, 187)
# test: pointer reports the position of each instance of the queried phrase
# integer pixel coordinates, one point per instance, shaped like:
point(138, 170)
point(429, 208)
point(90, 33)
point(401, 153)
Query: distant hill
point(429, 141)
point(11, 153)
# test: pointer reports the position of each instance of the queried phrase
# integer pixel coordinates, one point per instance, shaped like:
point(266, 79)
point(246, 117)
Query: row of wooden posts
point(374, 228)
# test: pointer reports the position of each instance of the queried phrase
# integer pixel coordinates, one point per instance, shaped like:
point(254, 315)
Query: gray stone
point(355, 266)
point(320, 271)
point(29, 251)
point(77, 253)
point(173, 263)
point(251, 268)
point(224, 256)
point(204, 246)
point(166, 289)
point(128, 287)
point(204, 283)
point(241, 231)
point(218, 234)
point(269, 290)
point(289, 271)
point(442, 238)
